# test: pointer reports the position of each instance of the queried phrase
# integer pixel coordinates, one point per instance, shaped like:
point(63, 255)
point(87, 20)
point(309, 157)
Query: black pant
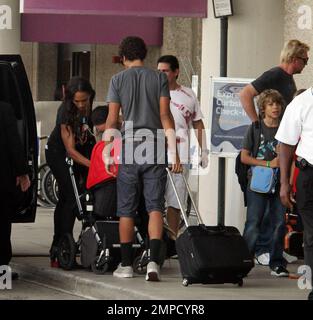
point(6, 213)
point(66, 208)
point(304, 199)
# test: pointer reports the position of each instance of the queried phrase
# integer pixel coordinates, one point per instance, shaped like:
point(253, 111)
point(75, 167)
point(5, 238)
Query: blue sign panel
point(229, 120)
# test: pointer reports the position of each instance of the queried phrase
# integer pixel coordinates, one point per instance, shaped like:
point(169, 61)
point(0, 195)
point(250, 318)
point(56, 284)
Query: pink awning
point(144, 8)
point(64, 28)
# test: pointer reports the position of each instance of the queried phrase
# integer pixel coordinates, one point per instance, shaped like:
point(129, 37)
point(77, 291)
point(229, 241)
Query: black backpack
point(241, 169)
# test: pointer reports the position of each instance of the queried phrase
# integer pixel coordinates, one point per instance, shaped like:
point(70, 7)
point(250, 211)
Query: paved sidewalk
point(31, 244)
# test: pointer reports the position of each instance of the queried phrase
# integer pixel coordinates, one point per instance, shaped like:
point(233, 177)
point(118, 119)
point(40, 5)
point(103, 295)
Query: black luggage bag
point(211, 254)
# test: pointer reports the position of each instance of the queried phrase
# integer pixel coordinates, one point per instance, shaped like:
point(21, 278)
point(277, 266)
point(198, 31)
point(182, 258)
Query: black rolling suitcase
point(211, 255)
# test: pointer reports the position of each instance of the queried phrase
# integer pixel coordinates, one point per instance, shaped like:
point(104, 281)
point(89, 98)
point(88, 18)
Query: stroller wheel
point(140, 263)
point(99, 268)
point(67, 252)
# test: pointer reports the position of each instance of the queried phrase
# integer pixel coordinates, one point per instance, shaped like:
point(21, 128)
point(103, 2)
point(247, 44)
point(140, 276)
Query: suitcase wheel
point(240, 283)
point(185, 282)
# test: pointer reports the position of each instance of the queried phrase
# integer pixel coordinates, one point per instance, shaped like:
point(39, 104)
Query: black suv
point(15, 90)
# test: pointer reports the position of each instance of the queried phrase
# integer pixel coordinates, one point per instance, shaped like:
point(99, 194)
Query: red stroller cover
point(97, 172)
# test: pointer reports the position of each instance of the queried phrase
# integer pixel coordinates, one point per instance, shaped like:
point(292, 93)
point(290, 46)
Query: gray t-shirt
point(268, 143)
point(138, 90)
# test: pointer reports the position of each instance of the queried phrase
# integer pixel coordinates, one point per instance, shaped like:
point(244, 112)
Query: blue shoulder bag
point(263, 179)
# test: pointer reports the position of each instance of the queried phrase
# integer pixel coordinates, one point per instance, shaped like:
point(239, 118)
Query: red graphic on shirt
point(185, 111)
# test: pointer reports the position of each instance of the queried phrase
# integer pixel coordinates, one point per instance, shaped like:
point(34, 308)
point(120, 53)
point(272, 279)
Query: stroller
point(98, 242)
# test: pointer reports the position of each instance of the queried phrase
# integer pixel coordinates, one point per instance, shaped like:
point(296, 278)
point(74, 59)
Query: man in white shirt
point(186, 111)
point(295, 128)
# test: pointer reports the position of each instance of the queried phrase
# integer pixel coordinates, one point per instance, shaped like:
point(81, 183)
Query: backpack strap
point(256, 137)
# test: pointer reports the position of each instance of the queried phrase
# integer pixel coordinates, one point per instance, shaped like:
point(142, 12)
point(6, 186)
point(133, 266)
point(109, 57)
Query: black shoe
point(280, 272)
point(310, 296)
point(14, 276)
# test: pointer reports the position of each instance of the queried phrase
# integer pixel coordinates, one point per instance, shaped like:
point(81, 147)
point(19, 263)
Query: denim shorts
point(133, 180)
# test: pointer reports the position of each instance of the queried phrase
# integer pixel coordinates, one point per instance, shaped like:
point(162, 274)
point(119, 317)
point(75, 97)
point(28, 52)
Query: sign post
point(222, 9)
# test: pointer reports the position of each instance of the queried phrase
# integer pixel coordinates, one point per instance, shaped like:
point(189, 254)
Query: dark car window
point(10, 94)
point(15, 90)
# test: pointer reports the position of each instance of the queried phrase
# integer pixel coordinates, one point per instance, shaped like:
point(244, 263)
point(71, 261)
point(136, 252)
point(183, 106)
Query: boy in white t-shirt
point(186, 111)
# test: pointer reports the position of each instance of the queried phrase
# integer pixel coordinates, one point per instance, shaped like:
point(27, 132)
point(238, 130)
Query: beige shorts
point(170, 197)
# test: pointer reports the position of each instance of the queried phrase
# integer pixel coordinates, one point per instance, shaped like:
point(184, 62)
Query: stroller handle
point(69, 161)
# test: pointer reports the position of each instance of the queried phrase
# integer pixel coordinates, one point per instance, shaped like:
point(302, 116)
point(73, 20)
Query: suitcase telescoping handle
point(182, 209)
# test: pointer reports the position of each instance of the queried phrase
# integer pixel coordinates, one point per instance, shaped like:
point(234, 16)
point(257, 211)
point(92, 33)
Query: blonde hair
point(293, 48)
point(268, 96)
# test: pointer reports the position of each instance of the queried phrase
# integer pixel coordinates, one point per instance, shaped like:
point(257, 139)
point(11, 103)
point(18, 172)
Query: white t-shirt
point(297, 123)
point(185, 109)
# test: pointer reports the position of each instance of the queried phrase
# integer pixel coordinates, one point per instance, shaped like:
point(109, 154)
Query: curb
point(75, 283)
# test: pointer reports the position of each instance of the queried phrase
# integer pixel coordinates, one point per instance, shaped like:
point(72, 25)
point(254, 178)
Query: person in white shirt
point(186, 111)
point(296, 133)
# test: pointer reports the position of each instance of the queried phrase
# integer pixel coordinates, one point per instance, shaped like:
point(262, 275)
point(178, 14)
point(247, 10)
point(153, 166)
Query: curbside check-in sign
point(229, 121)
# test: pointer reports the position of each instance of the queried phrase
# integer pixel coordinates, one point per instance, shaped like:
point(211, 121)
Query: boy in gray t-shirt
point(143, 96)
point(264, 152)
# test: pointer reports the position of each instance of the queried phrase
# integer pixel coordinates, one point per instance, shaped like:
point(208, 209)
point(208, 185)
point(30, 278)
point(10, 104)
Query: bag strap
point(256, 136)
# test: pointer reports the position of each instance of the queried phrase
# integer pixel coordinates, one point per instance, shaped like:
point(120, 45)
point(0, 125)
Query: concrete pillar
point(10, 33)
point(102, 67)
point(255, 40)
point(182, 38)
point(299, 25)
point(46, 78)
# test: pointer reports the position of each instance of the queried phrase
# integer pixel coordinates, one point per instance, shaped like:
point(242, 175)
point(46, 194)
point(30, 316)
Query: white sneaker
point(123, 272)
point(153, 272)
point(263, 259)
point(289, 258)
